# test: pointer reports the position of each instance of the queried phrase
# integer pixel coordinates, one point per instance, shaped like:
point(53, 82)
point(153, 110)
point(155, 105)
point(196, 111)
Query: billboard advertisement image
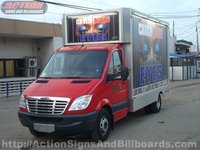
point(93, 28)
point(150, 53)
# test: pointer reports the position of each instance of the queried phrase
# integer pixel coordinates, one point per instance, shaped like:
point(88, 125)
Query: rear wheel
point(154, 107)
point(36, 133)
point(103, 126)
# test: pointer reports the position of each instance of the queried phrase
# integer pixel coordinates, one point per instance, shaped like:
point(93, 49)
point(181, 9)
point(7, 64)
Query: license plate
point(47, 128)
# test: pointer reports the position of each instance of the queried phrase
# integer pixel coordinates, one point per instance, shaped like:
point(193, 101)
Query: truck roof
point(90, 47)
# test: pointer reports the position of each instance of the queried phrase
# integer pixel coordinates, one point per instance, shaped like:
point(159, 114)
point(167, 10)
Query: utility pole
point(197, 39)
point(173, 28)
point(198, 32)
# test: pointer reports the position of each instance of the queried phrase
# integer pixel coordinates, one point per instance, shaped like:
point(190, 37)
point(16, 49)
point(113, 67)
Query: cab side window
point(115, 64)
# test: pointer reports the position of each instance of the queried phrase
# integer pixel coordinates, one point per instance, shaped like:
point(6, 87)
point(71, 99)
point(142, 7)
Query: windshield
point(75, 64)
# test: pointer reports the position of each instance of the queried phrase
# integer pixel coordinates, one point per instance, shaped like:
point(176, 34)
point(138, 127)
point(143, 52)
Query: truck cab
point(81, 89)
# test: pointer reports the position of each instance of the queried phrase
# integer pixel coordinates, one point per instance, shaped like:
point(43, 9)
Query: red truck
point(113, 62)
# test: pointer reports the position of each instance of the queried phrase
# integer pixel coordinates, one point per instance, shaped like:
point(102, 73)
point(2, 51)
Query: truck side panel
point(149, 61)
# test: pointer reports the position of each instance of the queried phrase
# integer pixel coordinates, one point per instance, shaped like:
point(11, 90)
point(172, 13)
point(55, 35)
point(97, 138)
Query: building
point(183, 63)
point(26, 46)
point(183, 47)
point(183, 66)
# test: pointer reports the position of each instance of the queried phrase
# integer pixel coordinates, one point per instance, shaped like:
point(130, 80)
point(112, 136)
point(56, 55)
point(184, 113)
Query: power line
point(180, 12)
point(69, 6)
point(189, 35)
point(187, 31)
point(175, 17)
point(186, 26)
point(191, 27)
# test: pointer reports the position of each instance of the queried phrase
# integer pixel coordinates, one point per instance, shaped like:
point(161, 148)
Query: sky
point(184, 28)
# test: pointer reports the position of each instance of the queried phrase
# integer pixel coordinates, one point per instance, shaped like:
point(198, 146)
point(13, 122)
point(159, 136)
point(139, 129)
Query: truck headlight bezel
point(81, 103)
point(22, 103)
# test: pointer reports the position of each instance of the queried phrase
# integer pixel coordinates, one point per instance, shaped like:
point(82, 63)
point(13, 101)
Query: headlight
point(22, 101)
point(81, 103)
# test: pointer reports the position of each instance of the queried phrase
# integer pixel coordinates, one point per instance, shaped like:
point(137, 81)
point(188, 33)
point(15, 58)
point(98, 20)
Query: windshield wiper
point(70, 77)
point(47, 77)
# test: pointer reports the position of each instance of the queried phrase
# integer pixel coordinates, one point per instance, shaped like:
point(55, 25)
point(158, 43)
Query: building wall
point(13, 50)
point(26, 47)
point(47, 47)
point(183, 72)
point(16, 47)
point(58, 42)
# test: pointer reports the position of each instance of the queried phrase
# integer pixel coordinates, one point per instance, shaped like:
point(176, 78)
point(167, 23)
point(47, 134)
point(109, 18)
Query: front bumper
point(70, 124)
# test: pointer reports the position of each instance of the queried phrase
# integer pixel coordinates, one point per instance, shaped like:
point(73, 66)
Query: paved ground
point(178, 121)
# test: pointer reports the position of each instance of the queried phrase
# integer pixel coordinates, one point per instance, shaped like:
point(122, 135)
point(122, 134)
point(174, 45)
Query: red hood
point(61, 87)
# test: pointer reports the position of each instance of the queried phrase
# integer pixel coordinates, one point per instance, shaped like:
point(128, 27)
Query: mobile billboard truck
point(113, 62)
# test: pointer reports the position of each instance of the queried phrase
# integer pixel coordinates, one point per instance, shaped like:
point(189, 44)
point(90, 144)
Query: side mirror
point(124, 73)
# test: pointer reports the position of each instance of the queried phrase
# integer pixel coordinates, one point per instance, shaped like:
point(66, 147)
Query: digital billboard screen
point(93, 28)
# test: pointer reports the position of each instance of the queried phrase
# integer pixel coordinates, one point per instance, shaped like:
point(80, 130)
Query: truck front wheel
point(103, 126)
point(36, 133)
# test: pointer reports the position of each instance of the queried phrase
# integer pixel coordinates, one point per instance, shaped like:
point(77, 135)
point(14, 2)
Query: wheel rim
point(104, 125)
point(158, 103)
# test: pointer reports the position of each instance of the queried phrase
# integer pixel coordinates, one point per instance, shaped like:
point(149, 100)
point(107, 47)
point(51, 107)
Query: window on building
point(12, 68)
point(20, 65)
point(9, 65)
point(176, 61)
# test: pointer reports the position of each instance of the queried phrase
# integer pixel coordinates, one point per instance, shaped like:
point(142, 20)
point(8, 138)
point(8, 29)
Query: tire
point(103, 126)
point(36, 133)
point(154, 107)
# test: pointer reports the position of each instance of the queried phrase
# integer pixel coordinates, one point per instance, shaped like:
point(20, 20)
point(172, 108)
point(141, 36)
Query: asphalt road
point(177, 125)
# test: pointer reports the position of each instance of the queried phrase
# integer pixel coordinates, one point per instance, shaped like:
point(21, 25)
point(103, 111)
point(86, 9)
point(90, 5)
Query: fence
point(14, 86)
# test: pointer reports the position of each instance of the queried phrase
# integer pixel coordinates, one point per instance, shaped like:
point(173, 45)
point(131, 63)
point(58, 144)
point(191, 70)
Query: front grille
point(47, 105)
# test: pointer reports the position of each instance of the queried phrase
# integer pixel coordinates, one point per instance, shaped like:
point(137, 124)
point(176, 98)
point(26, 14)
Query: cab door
point(116, 88)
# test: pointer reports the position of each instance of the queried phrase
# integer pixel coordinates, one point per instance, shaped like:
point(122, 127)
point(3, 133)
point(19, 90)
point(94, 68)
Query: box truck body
point(113, 62)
